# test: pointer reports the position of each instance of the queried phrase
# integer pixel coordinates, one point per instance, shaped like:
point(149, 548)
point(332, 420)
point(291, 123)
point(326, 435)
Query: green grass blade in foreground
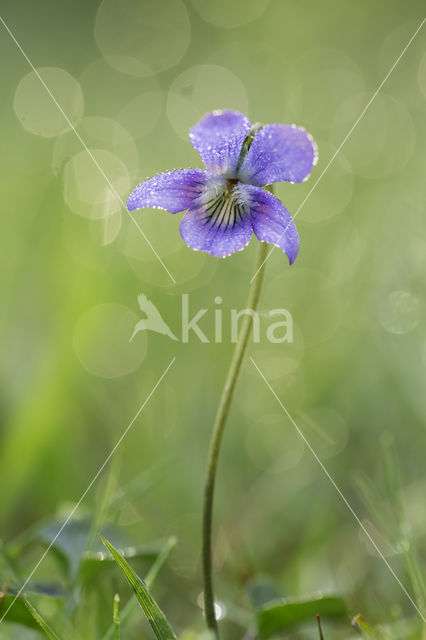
point(155, 616)
point(279, 615)
point(149, 581)
point(41, 623)
point(115, 618)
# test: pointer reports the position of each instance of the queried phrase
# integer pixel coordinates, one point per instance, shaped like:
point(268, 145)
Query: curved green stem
point(221, 416)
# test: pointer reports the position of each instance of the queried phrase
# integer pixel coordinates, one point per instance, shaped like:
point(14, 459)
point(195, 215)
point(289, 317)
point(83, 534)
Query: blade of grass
point(40, 621)
point(149, 581)
point(406, 546)
point(20, 612)
point(389, 514)
point(153, 613)
point(115, 618)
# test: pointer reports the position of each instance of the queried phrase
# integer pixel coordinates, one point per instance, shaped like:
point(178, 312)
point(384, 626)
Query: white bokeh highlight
point(142, 37)
point(35, 108)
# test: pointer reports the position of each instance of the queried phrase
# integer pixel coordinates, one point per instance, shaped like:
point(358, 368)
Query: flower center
point(226, 209)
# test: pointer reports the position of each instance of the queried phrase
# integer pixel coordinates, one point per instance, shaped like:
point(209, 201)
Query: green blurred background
point(133, 76)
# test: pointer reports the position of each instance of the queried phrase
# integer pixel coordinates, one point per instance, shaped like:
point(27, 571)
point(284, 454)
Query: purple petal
point(271, 221)
point(218, 138)
point(279, 152)
point(173, 191)
point(220, 227)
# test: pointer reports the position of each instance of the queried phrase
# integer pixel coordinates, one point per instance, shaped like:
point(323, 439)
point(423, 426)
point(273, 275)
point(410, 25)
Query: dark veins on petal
point(225, 210)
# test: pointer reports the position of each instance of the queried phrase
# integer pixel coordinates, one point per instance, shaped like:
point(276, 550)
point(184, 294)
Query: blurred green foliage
point(73, 264)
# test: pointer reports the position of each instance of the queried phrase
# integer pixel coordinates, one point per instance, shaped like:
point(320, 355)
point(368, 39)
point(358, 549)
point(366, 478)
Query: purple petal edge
point(173, 191)
point(279, 152)
point(272, 222)
point(218, 138)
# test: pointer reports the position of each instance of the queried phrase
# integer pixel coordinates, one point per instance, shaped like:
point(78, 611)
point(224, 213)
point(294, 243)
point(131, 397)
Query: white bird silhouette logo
point(153, 320)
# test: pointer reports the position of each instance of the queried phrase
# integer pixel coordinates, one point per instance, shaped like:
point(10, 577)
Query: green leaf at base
point(286, 612)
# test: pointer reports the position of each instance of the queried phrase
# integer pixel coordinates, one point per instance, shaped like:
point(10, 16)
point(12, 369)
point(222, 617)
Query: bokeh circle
point(35, 108)
point(228, 15)
point(399, 312)
point(201, 89)
point(142, 37)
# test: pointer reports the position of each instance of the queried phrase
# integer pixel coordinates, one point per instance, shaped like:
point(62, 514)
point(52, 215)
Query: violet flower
point(226, 203)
